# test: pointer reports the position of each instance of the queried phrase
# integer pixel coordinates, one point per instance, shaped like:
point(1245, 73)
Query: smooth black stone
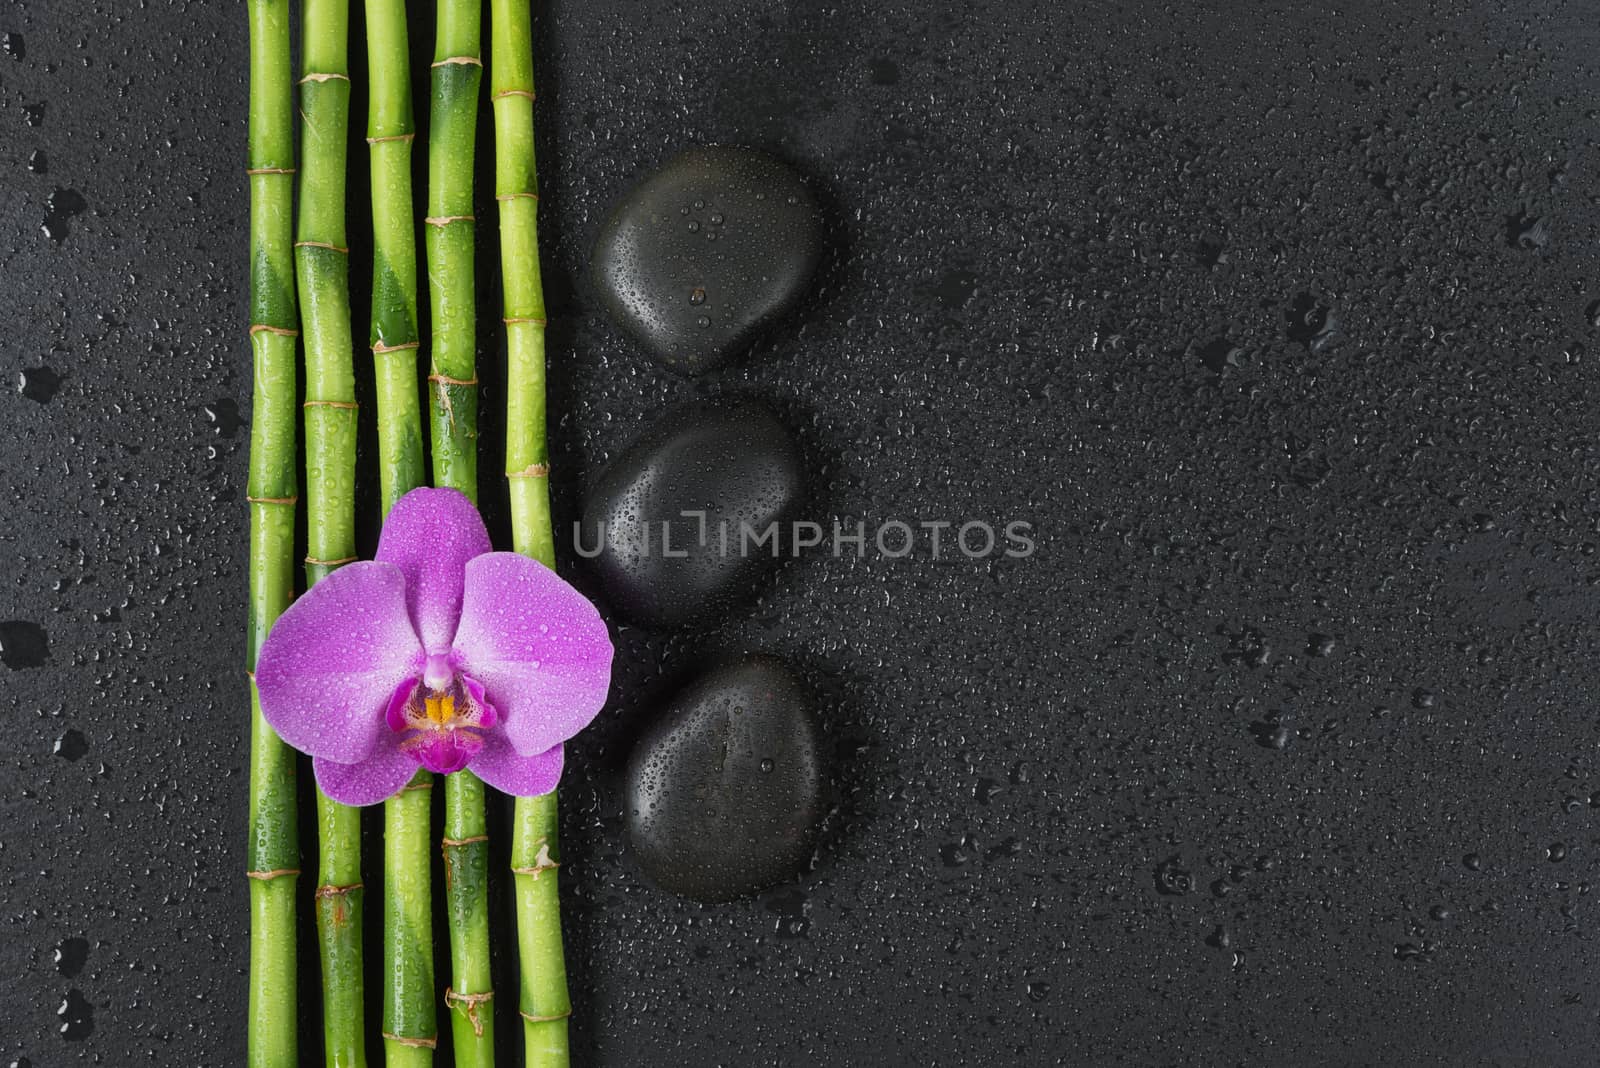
point(703, 255)
point(724, 789)
point(734, 462)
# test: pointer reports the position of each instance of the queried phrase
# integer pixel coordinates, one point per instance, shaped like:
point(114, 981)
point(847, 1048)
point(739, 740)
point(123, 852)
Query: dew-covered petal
point(430, 535)
point(374, 779)
point(508, 771)
point(539, 648)
point(333, 660)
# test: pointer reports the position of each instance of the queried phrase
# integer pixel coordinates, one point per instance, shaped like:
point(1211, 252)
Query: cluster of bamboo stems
point(310, 260)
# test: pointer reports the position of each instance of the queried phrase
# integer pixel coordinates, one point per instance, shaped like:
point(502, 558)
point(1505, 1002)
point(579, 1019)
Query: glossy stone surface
point(724, 788)
point(680, 519)
point(697, 259)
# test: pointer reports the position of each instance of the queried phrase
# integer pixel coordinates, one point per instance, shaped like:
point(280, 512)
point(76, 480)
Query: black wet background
point(1280, 748)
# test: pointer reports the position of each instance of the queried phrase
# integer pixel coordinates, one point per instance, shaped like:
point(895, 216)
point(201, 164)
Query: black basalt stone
point(707, 252)
point(690, 517)
point(724, 789)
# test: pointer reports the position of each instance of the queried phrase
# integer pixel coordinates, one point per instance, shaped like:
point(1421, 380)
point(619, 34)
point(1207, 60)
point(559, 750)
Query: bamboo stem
point(535, 860)
point(466, 881)
point(410, 1026)
point(396, 346)
point(322, 269)
point(453, 405)
point(544, 1001)
point(273, 852)
point(452, 132)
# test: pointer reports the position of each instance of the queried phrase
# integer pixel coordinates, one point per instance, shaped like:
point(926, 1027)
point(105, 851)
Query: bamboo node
point(428, 785)
point(273, 500)
point(279, 331)
point(515, 196)
point(446, 220)
point(324, 76)
point(329, 404)
point(330, 246)
point(530, 319)
point(447, 842)
point(458, 61)
point(470, 1002)
point(534, 1018)
point(338, 891)
point(380, 348)
point(502, 94)
point(268, 876)
point(269, 170)
point(391, 137)
point(446, 380)
point(531, 471)
point(331, 563)
point(415, 1043)
point(542, 862)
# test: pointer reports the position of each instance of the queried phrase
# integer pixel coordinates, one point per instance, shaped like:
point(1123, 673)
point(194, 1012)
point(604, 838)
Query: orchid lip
point(441, 717)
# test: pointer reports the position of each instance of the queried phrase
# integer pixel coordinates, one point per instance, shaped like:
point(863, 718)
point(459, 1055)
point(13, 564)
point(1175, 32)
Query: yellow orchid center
point(441, 708)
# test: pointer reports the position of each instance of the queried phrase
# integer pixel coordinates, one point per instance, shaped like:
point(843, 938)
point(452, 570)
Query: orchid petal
point(430, 535)
point(508, 771)
point(539, 648)
point(377, 778)
point(328, 668)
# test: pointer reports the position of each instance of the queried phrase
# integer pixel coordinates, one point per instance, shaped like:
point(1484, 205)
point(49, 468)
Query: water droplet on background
point(23, 644)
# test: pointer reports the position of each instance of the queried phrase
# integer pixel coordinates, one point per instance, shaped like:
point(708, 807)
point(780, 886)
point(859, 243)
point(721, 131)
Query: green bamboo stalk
point(453, 405)
point(322, 268)
point(452, 132)
point(535, 860)
point(466, 890)
point(395, 341)
point(535, 847)
point(273, 851)
point(410, 1027)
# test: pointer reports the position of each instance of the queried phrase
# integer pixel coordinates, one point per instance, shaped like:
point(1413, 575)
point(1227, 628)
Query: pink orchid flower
point(438, 654)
